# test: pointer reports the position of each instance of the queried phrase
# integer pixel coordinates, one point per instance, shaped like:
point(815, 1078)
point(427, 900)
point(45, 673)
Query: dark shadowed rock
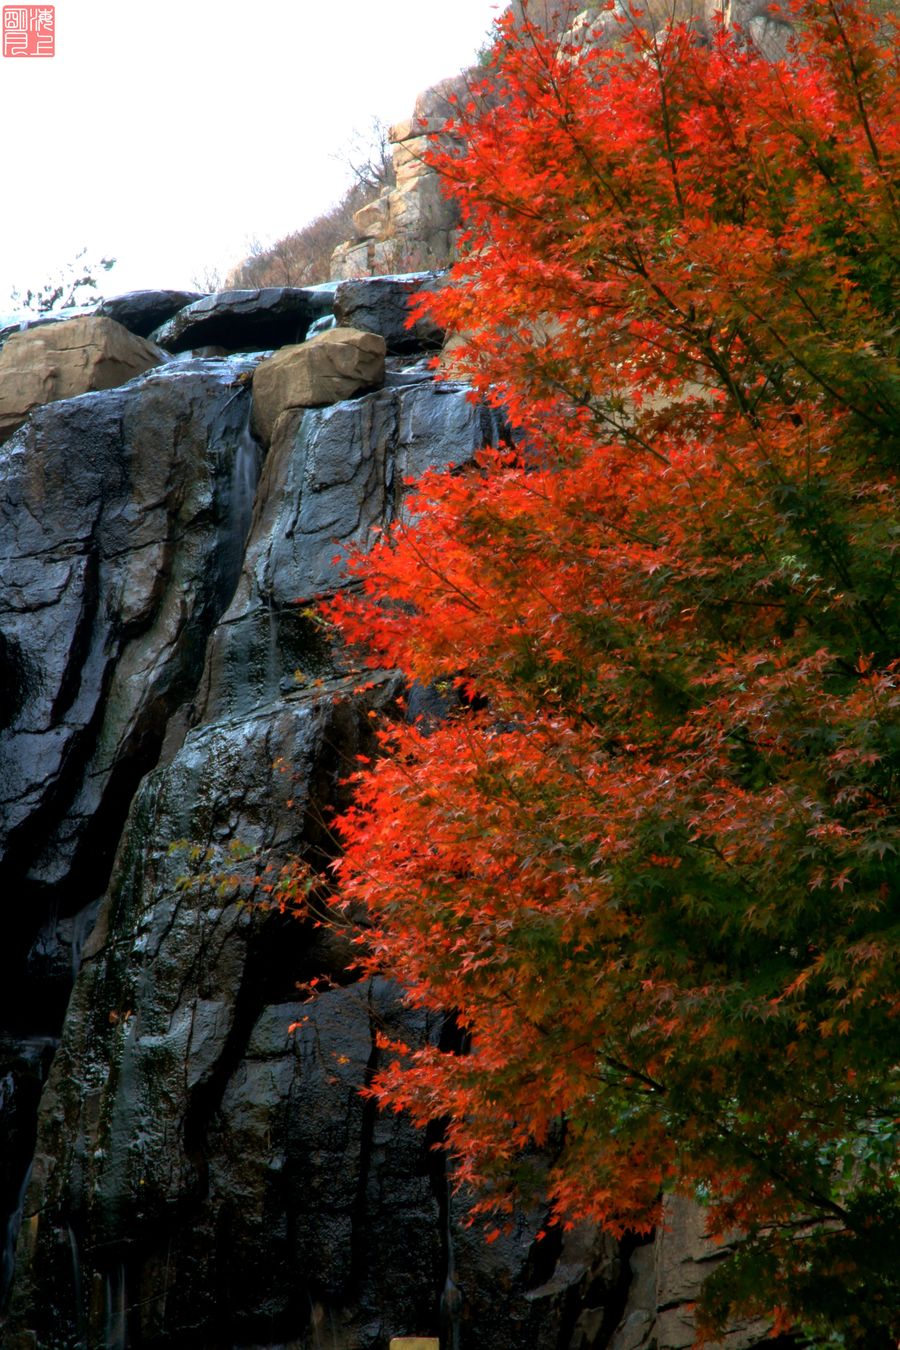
point(218, 1167)
point(24, 1062)
point(252, 320)
point(331, 474)
point(142, 311)
point(198, 1164)
point(203, 1175)
point(381, 305)
point(123, 516)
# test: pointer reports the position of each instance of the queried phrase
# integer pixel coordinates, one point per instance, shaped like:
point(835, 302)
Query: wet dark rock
point(202, 1174)
point(250, 320)
point(24, 1062)
point(164, 1123)
point(330, 475)
point(381, 305)
point(123, 515)
point(143, 311)
point(220, 1168)
point(51, 966)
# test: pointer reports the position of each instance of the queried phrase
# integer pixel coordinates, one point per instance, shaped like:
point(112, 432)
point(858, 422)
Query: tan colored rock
point(551, 16)
point(685, 1256)
point(409, 159)
point(60, 360)
point(439, 102)
point(399, 254)
point(372, 219)
point(329, 367)
point(411, 226)
point(449, 362)
point(401, 131)
point(415, 1343)
point(667, 1276)
point(419, 207)
point(351, 260)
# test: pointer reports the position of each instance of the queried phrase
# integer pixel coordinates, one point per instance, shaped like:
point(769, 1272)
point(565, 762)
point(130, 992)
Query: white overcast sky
point(168, 134)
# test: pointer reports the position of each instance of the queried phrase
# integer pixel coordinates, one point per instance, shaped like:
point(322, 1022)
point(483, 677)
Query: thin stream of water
point(14, 1223)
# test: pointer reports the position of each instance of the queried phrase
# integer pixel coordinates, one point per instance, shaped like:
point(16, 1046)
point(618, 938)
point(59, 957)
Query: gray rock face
point(183, 1129)
point(206, 1172)
point(666, 1278)
point(331, 474)
point(381, 305)
point(122, 515)
point(142, 311)
point(204, 1176)
point(251, 320)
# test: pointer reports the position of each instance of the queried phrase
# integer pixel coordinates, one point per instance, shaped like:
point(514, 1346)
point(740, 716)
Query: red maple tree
point(649, 859)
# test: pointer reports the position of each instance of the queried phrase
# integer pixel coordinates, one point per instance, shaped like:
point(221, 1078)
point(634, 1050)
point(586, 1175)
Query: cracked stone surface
point(202, 1175)
point(122, 515)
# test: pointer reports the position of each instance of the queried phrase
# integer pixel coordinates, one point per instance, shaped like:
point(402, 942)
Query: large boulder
point(59, 360)
point(382, 305)
point(25, 319)
point(142, 311)
point(332, 366)
point(247, 320)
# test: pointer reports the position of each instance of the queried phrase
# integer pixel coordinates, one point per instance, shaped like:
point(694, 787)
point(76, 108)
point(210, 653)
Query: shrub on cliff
point(72, 285)
point(303, 257)
point(652, 866)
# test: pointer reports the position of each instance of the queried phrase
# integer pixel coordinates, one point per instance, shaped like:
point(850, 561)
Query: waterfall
point(115, 1337)
point(274, 663)
point(14, 1223)
point(240, 495)
point(76, 1279)
point(451, 1297)
point(244, 477)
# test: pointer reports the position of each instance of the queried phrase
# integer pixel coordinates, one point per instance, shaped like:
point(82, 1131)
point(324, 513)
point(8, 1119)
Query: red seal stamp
point(29, 30)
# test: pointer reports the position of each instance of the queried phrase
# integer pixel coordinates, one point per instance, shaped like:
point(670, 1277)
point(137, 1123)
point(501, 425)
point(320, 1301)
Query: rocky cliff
point(411, 224)
point(199, 1175)
point(173, 722)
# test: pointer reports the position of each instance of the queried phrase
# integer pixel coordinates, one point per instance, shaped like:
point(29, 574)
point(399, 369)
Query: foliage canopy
point(650, 860)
